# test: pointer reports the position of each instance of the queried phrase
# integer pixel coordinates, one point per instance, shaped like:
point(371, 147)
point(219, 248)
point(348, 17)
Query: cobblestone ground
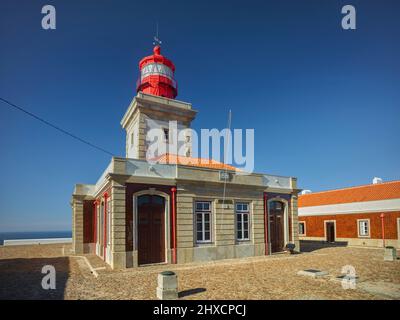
point(272, 277)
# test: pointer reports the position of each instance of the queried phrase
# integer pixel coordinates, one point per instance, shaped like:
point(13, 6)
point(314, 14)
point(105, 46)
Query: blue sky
point(324, 102)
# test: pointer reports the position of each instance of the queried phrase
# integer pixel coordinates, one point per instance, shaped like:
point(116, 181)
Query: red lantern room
point(157, 75)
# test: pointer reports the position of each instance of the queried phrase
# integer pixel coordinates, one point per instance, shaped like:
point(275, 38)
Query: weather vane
point(157, 41)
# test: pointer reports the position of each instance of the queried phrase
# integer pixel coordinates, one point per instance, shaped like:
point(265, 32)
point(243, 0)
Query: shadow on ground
point(190, 292)
point(21, 279)
point(309, 246)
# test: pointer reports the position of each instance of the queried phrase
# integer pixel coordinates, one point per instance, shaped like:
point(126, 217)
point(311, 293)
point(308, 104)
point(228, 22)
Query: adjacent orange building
point(367, 215)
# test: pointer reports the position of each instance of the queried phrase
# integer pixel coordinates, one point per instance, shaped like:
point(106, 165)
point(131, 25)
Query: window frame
point(241, 213)
point(203, 212)
point(368, 235)
point(304, 228)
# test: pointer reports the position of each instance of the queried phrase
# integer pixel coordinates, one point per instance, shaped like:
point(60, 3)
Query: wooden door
point(276, 218)
point(151, 229)
point(330, 231)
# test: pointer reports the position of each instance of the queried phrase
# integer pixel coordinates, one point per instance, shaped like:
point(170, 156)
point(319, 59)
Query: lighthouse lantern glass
point(157, 69)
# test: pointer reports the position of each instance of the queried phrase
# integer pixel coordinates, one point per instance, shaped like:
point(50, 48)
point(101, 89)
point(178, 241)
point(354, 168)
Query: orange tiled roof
point(168, 158)
point(380, 191)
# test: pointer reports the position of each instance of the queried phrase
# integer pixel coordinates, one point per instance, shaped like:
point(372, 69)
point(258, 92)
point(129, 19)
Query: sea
point(34, 235)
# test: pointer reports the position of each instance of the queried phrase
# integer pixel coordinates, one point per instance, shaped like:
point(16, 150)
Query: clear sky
point(324, 102)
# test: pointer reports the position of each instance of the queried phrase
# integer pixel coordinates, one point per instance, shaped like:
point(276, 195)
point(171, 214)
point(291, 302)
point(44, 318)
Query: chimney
point(377, 180)
point(305, 192)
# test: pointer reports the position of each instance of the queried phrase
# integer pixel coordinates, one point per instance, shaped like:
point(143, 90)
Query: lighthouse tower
point(155, 107)
point(157, 75)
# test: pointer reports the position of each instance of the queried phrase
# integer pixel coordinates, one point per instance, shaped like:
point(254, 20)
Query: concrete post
point(167, 288)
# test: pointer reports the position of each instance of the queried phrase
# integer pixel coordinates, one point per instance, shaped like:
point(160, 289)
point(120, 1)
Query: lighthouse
point(155, 107)
point(162, 204)
point(157, 75)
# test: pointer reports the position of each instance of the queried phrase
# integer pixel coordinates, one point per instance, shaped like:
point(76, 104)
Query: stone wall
point(224, 244)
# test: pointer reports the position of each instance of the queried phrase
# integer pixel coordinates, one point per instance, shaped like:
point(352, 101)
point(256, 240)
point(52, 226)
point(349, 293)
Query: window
point(166, 134)
point(363, 228)
point(203, 221)
point(302, 228)
point(242, 221)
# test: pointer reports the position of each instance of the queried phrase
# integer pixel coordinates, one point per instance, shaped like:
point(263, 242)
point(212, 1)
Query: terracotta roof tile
point(371, 192)
point(168, 158)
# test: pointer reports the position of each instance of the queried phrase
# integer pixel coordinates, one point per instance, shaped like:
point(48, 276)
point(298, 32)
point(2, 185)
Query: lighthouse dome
point(157, 75)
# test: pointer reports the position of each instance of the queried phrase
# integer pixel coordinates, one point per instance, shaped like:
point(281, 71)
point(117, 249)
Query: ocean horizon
point(34, 235)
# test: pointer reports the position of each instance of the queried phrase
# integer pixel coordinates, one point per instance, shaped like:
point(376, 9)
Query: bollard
point(390, 254)
point(167, 288)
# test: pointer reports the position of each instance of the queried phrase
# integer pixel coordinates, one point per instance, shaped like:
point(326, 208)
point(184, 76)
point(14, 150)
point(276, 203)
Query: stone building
point(366, 215)
point(177, 208)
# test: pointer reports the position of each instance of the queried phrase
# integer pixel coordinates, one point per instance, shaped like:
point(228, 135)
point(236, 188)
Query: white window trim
point(248, 212)
point(210, 222)
point(358, 228)
point(305, 230)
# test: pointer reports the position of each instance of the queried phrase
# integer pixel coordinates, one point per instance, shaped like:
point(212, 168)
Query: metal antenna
point(157, 41)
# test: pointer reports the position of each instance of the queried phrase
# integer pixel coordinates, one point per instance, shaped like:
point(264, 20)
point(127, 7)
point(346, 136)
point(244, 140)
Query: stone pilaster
point(224, 223)
point(295, 222)
point(118, 221)
point(142, 137)
point(77, 222)
point(257, 223)
point(184, 226)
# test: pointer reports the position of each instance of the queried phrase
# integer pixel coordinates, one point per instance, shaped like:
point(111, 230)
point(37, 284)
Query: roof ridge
point(348, 188)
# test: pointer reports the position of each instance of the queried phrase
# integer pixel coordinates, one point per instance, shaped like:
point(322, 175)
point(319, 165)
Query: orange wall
point(346, 225)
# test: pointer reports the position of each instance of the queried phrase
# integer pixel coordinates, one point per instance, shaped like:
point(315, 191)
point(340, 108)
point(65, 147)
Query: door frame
point(152, 192)
point(285, 222)
point(325, 229)
point(398, 230)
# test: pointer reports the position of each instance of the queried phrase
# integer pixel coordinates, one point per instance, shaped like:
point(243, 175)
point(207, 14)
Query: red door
point(151, 229)
point(276, 218)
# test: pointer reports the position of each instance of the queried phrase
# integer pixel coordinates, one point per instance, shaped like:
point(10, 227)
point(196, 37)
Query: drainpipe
point(105, 226)
point(383, 228)
point(266, 223)
point(173, 190)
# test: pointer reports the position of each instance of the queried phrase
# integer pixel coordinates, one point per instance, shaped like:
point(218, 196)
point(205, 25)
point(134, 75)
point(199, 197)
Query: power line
point(55, 127)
